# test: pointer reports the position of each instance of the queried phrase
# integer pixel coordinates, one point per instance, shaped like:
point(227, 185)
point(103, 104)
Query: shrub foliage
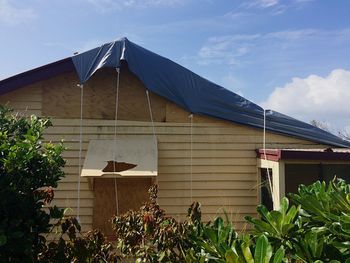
point(315, 228)
point(29, 170)
point(73, 246)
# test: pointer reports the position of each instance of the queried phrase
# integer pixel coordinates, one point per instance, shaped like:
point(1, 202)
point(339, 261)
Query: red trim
point(285, 154)
point(271, 154)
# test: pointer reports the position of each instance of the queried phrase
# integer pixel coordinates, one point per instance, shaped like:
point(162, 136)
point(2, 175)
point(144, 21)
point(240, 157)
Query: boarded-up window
point(122, 171)
point(130, 193)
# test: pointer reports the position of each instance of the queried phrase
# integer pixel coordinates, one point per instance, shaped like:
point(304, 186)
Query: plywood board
point(61, 97)
point(131, 193)
point(133, 103)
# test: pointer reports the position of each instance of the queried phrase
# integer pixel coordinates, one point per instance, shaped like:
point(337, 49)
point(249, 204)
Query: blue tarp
point(192, 92)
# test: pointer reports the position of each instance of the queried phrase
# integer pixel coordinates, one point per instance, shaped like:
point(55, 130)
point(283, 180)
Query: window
point(301, 173)
point(265, 192)
point(121, 172)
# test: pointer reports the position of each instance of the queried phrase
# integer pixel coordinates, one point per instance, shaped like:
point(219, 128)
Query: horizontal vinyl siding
point(223, 165)
point(27, 100)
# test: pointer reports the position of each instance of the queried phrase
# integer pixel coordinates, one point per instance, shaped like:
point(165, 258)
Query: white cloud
point(108, 5)
point(233, 49)
point(275, 7)
point(292, 35)
point(12, 15)
point(314, 97)
point(225, 49)
point(262, 3)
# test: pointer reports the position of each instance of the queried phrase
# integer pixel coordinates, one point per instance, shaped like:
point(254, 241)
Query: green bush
point(324, 221)
point(151, 236)
point(73, 246)
point(316, 228)
point(29, 170)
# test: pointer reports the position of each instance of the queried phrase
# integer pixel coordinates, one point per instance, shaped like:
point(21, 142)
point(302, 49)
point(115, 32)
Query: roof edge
point(37, 74)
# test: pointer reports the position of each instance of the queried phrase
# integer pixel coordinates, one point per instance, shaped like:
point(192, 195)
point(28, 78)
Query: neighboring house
point(201, 142)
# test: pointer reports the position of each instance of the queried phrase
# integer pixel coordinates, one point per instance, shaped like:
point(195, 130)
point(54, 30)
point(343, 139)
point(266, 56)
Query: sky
point(291, 56)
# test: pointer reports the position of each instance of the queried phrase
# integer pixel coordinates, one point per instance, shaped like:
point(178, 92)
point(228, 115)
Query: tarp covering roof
point(186, 89)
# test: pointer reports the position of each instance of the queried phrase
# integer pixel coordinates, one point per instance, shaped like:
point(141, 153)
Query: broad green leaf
point(261, 225)
point(263, 250)
point(232, 257)
point(277, 220)
point(279, 255)
point(211, 234)
point(292, 213)
point(284, 205)
point(248, 256)
point(286, 228)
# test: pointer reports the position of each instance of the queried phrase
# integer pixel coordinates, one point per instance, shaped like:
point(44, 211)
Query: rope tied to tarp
point(81, 86)
point(115, 139)
point(191, 156)
point(265, 157)
point(152, 122)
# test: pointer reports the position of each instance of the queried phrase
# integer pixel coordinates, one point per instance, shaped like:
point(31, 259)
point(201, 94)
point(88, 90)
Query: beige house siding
point(27, 100)
point(224, 165)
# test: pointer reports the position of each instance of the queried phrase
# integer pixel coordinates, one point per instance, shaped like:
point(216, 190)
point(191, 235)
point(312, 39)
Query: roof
point(328, 154)
point(177, 84)
point(37, 74)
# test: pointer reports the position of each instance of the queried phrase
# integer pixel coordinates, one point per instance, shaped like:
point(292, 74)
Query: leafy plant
point(279, 226)
point(73, 246)
point(29, 170)
point(150, 235)
point(317, 230)
point(217, 241)
point(325, 221)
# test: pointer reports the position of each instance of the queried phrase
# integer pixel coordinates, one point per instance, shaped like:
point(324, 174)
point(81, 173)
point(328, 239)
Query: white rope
point(116, 118)
point(80, 148)
point(153, 128)
point(264, 147)
point(115, 140)
point(116, 195)
point(191, 156)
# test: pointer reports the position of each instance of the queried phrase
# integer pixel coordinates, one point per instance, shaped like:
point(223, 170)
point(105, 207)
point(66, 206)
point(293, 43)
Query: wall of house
point(224, 166)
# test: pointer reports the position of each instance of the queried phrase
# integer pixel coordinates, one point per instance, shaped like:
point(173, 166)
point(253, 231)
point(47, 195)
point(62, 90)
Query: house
point(130, 118)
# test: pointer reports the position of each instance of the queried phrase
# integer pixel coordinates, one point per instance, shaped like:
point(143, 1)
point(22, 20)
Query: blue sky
point(288, 55)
